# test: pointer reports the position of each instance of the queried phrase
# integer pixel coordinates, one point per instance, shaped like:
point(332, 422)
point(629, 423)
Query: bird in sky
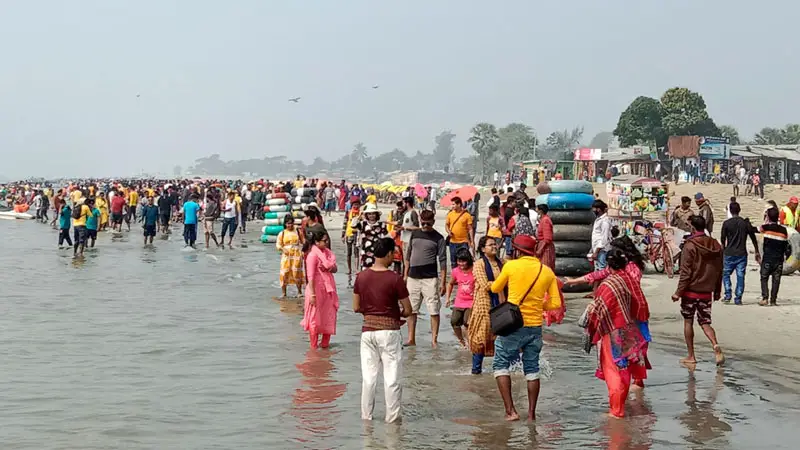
point(294, 99)
point(375, 86)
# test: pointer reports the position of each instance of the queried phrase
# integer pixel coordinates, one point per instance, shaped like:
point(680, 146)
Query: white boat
point(15, 215)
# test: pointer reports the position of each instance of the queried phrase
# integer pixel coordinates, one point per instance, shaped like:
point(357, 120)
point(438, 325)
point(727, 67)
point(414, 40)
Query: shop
point(624, 164)
point(585, 164)
point(715, 154)
point(546, 170)
point(632, 198)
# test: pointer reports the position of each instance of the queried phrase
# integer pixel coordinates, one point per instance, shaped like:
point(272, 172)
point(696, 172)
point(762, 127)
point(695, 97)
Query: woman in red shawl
point(634, 270)
point(611, 323)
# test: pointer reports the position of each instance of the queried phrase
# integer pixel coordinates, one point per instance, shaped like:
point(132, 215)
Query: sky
point(215, 77)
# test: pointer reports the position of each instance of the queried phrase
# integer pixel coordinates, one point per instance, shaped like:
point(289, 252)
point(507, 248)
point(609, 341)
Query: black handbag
point(506, 317)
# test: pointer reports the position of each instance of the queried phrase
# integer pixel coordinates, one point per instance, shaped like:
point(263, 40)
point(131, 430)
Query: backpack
point(76, 211)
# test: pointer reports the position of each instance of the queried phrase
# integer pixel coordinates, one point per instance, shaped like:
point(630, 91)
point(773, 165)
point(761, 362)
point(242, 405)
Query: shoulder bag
point(447, 240)
point(506, 317)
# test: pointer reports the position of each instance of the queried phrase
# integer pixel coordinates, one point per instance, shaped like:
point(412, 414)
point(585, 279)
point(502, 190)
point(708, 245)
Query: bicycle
point(656, 248)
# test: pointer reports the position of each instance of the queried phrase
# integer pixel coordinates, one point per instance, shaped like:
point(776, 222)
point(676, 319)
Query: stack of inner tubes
point(277, 206)
point(302, 198)
point(570, 209)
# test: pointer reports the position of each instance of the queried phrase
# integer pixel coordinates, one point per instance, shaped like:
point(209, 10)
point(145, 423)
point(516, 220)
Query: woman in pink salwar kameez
point(321, 300)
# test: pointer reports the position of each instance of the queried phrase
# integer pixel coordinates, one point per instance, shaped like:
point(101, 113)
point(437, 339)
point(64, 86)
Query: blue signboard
point(715, 147)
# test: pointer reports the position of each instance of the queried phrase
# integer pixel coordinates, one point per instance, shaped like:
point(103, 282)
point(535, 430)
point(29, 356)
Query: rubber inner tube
point(572, 248)
point(572, 232)
point(572, 217)
point(572, 267)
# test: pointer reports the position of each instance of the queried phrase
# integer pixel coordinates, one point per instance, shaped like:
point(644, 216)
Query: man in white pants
point(381, 296)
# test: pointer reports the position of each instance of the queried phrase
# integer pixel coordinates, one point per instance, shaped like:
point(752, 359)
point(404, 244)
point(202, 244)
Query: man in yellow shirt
point(528, 280)
point(460, 231)
point(75, 195)
point(79, 215)
point(132, 203)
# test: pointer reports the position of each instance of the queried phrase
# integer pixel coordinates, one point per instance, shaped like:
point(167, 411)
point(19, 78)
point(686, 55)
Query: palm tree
point(358, 155)
point(791, 134)
point(484, 141)
point(731, 133)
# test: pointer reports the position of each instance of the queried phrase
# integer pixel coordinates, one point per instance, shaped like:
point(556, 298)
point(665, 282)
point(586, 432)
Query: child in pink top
point(461, 277)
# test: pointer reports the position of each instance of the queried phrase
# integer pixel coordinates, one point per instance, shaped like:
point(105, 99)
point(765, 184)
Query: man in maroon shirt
point(381, 296)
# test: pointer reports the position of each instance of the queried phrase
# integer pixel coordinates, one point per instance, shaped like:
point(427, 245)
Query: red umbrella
point(420, 190)
point(465, 193)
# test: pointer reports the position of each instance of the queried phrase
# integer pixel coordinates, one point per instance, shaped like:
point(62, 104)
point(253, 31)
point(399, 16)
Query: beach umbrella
point(465, 193)
point(420, 190)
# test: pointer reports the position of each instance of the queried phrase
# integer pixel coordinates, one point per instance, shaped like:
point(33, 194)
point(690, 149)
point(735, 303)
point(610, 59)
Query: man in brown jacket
point(705, 211)
point(700, 282)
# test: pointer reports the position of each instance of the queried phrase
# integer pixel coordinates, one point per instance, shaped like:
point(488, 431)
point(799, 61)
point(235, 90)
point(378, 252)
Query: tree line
point(682, 112)
point(646, 121)
point(357, 162)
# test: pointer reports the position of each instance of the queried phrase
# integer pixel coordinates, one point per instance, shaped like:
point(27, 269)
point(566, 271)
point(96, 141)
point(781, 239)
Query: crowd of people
point(403, 263)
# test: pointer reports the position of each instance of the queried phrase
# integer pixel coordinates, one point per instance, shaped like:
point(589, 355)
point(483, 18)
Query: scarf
point(494, 298)
point(610, 309)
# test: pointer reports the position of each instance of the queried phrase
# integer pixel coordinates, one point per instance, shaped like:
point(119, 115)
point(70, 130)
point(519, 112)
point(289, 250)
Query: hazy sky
point(215, 76)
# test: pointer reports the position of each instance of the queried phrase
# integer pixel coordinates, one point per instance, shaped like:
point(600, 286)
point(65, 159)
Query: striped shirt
point(776, 242)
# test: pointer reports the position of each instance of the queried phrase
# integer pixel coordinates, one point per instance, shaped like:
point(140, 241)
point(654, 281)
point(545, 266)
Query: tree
point(391, 161)
point(443, 152)
point(318, 165)
point(789, 135)
point(560, 142)
point(516, 141)
point(641, 123)
point(358, 156)
point(177, 171)
point(684, 114)
point(471, 164)
point(210, 165)
point(731, 133)
point(483, 139)
point(601, 140)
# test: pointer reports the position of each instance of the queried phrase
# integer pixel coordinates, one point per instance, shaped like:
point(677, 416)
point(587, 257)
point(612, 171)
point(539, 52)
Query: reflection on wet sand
point(313, 402)
point(391, 440)
point(290, 305)
point(701, 419)
point(636, 430)
point(492, 432)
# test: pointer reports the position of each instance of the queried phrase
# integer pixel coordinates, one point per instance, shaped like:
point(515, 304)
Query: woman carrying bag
point(518, 322)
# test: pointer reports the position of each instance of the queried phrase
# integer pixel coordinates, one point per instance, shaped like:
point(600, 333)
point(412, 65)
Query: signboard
point(715, 147)
point(588, 154)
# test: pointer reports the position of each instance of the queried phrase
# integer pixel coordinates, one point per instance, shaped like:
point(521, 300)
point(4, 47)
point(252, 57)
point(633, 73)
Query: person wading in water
point(700, 282)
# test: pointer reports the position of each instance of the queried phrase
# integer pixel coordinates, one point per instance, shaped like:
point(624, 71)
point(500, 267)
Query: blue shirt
point(64, 221)
point(151, 215)
point(190, 210)
point(91, 220)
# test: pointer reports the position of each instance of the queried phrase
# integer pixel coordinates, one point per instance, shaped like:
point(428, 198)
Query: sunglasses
point(429, 224)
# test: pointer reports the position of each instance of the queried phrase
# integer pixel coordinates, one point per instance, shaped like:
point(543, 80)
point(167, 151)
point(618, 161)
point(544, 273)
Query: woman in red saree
point(611, 323)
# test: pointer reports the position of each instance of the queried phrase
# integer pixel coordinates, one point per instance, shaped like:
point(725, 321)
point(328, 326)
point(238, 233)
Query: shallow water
point(162, 348)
